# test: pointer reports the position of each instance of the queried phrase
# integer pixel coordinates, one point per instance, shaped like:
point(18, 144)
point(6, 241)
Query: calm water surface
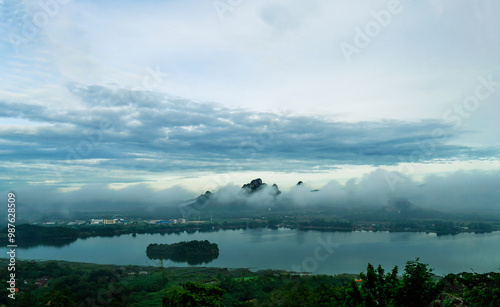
point(317, 252)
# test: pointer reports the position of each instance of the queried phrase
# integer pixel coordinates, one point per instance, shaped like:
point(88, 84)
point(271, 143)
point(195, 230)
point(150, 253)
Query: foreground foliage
point(80, 284)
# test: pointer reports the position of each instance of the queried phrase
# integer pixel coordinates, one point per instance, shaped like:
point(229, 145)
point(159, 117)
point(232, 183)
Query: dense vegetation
point(31, 235)
point(192, 252)
point(77, 284)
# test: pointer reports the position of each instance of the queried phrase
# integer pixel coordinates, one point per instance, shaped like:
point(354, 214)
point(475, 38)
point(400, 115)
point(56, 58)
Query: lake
point(286, 249)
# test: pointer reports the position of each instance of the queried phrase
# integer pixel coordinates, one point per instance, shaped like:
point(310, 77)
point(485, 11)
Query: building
point(42, 281)
point(96, 221)
point(164, 222)
point(109, 222)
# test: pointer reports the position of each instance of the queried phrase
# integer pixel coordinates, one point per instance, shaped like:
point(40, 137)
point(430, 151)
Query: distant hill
point(257, 185)
point(257, 196)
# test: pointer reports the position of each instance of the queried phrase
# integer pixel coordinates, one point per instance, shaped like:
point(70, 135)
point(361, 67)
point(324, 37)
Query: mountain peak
point(254, 185)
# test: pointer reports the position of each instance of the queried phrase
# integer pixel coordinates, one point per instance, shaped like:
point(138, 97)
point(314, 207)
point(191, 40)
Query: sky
point(188, 96)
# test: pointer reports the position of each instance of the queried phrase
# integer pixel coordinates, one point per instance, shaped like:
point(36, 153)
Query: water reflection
point(400, 237)
point(255, 235)
point(191, 260)
point(284, 248)
point(60, 243)
point(300, 237)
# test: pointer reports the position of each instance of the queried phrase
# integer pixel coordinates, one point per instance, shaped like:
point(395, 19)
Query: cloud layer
point(138, 131)
point(461, 191)
point(170, 92)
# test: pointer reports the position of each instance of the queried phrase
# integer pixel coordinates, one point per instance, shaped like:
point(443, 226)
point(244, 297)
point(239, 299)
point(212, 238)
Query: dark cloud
point(134, 130)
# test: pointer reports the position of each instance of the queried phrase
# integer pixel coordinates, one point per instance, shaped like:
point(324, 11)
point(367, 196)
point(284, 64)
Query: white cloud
point(276, 55)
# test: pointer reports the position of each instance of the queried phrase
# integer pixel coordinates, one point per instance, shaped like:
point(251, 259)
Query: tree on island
point(192, 252)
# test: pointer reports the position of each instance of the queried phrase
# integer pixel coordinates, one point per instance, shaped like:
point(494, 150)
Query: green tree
point(299, 295)
point(390, 289)
point(194, 294)
point(325, 295)
point(418, 287)
point(353, 296)
point(369, 286)
point(58, 298)
point(378, 288)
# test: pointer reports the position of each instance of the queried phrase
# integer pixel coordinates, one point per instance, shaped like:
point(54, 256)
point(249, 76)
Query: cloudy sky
point(197, 95)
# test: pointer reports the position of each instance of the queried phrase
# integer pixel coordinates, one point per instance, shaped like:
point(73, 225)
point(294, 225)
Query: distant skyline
point(197, 95)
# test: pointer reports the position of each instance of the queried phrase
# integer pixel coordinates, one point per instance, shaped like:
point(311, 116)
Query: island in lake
point(193, 252)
